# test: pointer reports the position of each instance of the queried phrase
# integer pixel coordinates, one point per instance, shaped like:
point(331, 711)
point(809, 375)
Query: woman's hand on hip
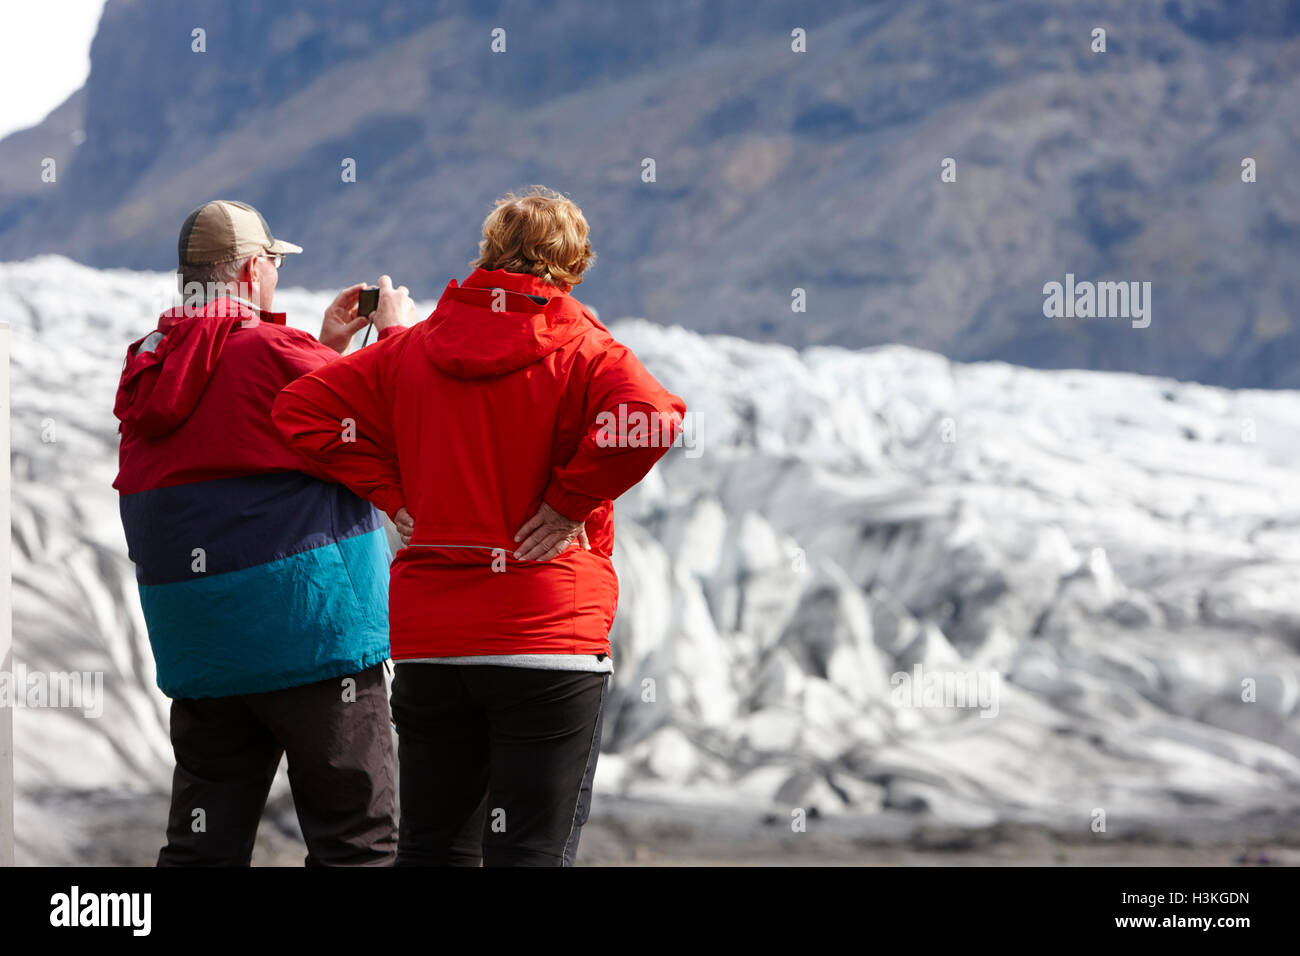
point(405, 526)
point(548, 534)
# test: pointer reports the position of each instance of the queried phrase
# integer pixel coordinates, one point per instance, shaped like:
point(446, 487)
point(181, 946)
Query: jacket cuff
point(570, 504)
point(389, 501)
point(391, 330)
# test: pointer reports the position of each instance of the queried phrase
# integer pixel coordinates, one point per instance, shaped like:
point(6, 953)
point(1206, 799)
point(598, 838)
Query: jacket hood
point(166, 372)
point(501, 321)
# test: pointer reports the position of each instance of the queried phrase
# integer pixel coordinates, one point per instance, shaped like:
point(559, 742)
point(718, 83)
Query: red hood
point(470, 339)
point(161, 386)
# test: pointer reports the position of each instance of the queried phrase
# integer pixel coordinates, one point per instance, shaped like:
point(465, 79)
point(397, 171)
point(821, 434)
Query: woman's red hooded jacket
point(510, 394)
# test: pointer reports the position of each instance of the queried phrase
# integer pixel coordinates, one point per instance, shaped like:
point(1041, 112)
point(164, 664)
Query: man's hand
point(395, 306)
point(341, 321)
point(547, 534)
point(405, 526)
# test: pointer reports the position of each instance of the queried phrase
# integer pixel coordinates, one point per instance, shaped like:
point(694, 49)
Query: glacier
point(1114, 558)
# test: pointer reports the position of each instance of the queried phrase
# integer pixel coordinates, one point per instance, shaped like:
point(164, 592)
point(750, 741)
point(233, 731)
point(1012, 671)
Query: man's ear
point(248, 276)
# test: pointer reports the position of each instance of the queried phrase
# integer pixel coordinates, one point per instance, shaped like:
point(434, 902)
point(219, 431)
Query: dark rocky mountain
point(775, 170)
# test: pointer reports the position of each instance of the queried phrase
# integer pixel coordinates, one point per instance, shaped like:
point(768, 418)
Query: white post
point(6, 619)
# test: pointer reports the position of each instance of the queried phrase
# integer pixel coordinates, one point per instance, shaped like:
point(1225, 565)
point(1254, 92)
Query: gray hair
point(200, 284)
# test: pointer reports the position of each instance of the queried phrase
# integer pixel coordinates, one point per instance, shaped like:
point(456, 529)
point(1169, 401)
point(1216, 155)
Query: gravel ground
point(103, 829)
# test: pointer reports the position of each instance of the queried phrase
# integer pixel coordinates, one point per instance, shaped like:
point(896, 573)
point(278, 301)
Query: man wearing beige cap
point(225, 251)
point(263, 583)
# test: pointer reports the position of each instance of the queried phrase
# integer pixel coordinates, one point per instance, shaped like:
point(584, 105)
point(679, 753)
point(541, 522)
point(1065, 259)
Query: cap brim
point(284, 247)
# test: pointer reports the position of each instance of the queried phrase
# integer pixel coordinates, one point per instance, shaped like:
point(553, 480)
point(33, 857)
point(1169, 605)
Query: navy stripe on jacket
point(238, 523)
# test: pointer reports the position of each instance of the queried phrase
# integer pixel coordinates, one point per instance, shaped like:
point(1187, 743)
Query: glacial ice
point(1122, 552)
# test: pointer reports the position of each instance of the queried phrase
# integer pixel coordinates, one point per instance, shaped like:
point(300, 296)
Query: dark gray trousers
point(339, 744)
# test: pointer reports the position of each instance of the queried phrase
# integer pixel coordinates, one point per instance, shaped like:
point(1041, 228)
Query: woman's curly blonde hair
point(541, 233)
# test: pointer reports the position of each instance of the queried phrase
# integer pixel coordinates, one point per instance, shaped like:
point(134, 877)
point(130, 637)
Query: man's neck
point(255, 308)
point(266, 315)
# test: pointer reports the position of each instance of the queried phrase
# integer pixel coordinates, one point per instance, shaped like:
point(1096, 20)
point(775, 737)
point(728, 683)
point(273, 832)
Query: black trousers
point(339, 742)
point(495, 763)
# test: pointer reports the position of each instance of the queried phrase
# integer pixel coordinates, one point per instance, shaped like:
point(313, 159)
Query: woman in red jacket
point(496, 435)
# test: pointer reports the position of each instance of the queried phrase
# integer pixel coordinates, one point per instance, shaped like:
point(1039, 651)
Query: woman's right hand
point(405, 525)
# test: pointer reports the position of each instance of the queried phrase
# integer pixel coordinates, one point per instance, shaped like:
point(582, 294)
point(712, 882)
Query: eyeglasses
point(276, 259)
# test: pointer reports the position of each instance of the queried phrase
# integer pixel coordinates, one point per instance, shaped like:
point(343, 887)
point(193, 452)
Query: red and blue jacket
point(256, 571)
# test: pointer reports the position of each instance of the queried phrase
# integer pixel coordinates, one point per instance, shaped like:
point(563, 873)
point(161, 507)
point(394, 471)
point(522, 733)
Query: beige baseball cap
point(225, 230)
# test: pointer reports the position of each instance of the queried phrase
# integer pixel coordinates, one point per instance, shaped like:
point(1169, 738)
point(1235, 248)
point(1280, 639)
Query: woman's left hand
point(548, 534)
